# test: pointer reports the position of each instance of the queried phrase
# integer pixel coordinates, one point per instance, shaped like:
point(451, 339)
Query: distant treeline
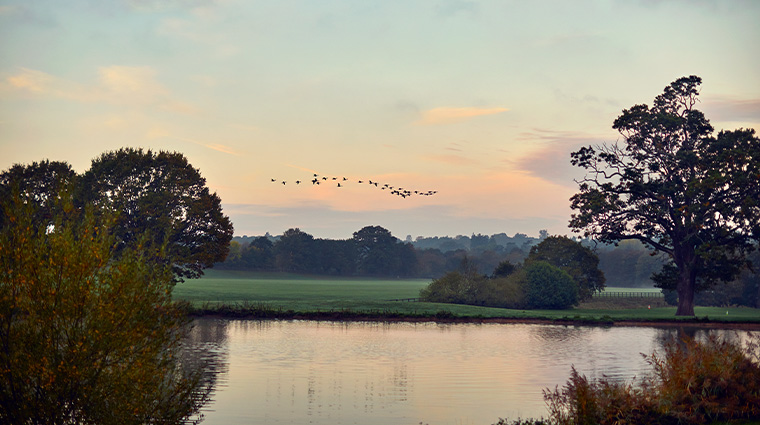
point(373, 251)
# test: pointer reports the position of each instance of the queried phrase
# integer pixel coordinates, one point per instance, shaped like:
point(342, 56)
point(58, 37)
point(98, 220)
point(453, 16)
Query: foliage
point(504, 268)
point(162, 195)
point(373, 251)
point(577, 260)
point(381, 254)
point(628, 264)
point(743, 291)
point(466, 286)
point(292, 252)
point(693, 382)
point(675, 187)
point(40, 183)
point(549, 287)
point(454, 287)
point(87, 337)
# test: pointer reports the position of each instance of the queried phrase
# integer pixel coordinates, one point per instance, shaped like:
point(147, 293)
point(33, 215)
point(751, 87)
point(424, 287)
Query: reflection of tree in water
point(205, 347)
point(680, 334)
point(560, 334)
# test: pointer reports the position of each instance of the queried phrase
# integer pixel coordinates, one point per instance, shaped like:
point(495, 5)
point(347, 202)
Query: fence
point(620, 294)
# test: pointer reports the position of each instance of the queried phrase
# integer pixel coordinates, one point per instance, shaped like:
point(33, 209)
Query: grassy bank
point(235, 293)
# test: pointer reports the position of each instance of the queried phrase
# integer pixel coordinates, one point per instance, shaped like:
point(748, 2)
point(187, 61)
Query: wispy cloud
point(29, 79)
point(126, 85)
point(726, 109)
point(451, 159)
point(159, 133)
point(550, 161)
point(443, 115)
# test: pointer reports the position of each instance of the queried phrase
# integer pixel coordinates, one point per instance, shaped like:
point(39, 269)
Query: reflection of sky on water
point(405, 373)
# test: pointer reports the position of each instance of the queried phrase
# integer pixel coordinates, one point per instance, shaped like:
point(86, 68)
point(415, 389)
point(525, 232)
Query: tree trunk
point(687, 280)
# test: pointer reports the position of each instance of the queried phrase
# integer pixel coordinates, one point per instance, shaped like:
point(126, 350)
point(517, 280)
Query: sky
point(480, 101)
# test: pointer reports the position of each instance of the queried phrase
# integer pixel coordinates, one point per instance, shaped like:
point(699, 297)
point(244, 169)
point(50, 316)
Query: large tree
point(379, 253)
point(676, 187)
point(162, 195)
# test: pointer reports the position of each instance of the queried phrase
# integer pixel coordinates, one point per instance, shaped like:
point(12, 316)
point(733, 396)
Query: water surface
point(308, 372)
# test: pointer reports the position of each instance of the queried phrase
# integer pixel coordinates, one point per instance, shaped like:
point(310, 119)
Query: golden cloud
point(444, 115)
point(31, 80)
point(126, 85)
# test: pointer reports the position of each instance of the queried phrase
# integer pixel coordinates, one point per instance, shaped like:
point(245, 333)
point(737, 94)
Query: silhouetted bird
point(274, 180)
point(283, 182)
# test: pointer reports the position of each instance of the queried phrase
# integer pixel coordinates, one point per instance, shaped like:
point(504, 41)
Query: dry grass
point(693, 382)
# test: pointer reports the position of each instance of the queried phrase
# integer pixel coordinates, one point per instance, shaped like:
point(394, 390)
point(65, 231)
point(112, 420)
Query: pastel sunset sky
point(481, 101)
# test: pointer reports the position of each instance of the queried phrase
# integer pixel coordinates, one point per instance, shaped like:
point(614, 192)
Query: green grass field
point(321, 294)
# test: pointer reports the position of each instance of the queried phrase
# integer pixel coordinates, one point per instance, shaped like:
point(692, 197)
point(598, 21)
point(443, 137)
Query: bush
point(87, 337)
point(548, 287)
point(473, 289)
point(453, 287)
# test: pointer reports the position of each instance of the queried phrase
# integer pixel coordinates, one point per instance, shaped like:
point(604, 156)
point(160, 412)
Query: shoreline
point(364, 317)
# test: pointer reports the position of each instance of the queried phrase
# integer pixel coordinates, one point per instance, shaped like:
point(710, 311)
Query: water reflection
point(283, 372)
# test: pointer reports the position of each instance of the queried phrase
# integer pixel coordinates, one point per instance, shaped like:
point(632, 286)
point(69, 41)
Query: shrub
point(453, 287)
point(549, 287)
point(87, 337)
point(473, 289)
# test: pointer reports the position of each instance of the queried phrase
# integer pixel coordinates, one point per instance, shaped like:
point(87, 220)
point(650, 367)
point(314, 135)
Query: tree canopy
point(158, 195)
point(163, 195)
point(380, 253)
point(676, 187)
point(41, 183)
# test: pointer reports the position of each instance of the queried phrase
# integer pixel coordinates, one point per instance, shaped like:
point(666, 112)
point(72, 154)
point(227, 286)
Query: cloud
point(121, 85)
point(726, 109)
point(138, 82)
point(451, 159)
point(550, 161)
point(437, 116)
point(29, 79)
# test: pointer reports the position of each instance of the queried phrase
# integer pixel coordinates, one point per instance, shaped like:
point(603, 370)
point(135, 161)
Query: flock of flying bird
point(341, 182)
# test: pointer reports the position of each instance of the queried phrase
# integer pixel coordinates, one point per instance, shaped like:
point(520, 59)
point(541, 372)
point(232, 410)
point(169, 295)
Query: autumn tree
point(162, 195)
point(86, 336)
point(675, 186)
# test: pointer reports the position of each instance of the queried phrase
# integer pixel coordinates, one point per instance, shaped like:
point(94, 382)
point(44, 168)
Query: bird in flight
point(342, 181)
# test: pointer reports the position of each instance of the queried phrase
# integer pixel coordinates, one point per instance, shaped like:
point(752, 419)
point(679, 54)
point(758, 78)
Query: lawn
point(363, 295)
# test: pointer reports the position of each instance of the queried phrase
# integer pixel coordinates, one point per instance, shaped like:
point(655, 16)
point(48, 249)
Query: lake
point(312, 372)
